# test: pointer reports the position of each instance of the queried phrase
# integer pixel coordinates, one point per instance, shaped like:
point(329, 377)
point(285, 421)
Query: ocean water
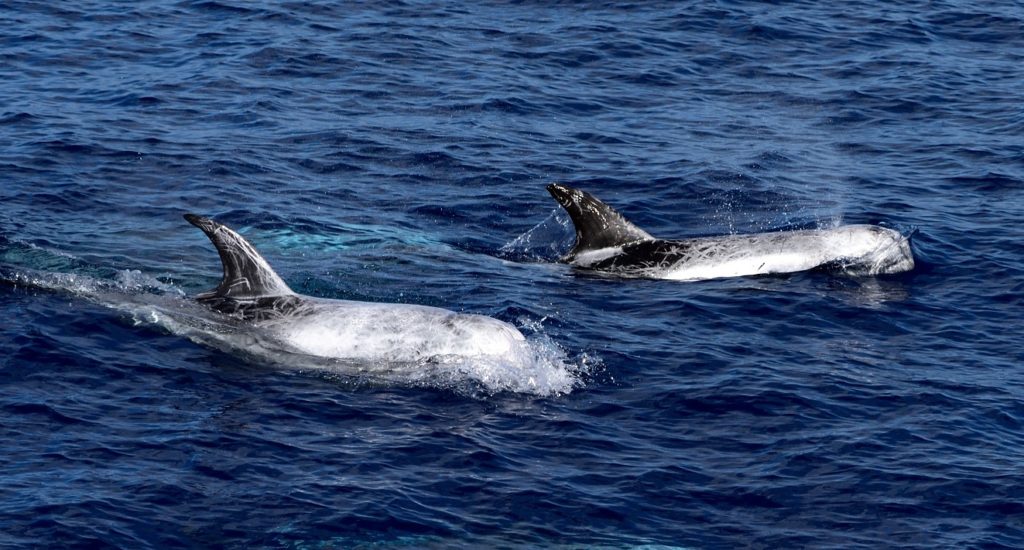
point(398, 152)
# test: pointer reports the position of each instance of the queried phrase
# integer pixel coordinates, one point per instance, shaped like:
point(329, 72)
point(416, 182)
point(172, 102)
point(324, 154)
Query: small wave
point(17, 118)
point(43, 410)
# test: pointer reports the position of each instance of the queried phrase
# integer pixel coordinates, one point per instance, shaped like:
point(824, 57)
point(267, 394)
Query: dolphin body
point(608, 243)
point(254, 295)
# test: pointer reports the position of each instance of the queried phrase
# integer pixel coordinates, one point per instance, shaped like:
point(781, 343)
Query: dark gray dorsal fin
point(597, 224)
point(246, 274)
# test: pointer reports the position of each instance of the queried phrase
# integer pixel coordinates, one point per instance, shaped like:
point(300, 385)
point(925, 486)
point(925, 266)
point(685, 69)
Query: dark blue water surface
point(398, 152)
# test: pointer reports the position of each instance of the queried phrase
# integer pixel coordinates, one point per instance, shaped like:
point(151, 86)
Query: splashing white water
point(546, 240)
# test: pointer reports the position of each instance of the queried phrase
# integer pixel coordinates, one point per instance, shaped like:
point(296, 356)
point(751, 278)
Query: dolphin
point(606, 242)
point(252, 294)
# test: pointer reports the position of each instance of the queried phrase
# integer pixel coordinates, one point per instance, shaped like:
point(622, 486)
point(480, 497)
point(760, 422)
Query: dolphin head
point(885, 250)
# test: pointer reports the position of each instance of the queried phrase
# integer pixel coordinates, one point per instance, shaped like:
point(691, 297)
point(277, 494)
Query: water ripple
point(398, 153)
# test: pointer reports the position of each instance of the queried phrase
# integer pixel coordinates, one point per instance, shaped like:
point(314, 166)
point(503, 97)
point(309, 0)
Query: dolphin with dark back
point(608, 243)
point(251, 293)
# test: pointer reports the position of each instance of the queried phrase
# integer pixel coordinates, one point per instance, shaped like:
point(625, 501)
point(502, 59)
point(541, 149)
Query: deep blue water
point(398, 152)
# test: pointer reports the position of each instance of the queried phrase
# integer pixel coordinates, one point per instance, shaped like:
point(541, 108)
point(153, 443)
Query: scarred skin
point(608, 243)
point(251, 292)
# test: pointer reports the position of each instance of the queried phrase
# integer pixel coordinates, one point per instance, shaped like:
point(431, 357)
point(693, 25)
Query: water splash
point(545, 241)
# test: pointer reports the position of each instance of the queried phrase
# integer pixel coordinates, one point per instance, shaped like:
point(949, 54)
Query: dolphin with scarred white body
point(606, 242)
point(252, 293)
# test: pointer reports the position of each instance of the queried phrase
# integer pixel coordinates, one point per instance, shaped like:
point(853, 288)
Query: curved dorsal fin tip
point(597, 224)
point(195, 220)
point(246, 274)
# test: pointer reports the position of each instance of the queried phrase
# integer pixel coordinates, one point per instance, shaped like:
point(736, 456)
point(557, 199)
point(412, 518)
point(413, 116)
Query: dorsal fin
point(246, 274)
point(597, 224)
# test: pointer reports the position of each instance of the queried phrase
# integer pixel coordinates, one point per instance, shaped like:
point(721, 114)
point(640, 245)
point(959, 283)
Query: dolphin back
point(597, 224)
point(247, 276)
